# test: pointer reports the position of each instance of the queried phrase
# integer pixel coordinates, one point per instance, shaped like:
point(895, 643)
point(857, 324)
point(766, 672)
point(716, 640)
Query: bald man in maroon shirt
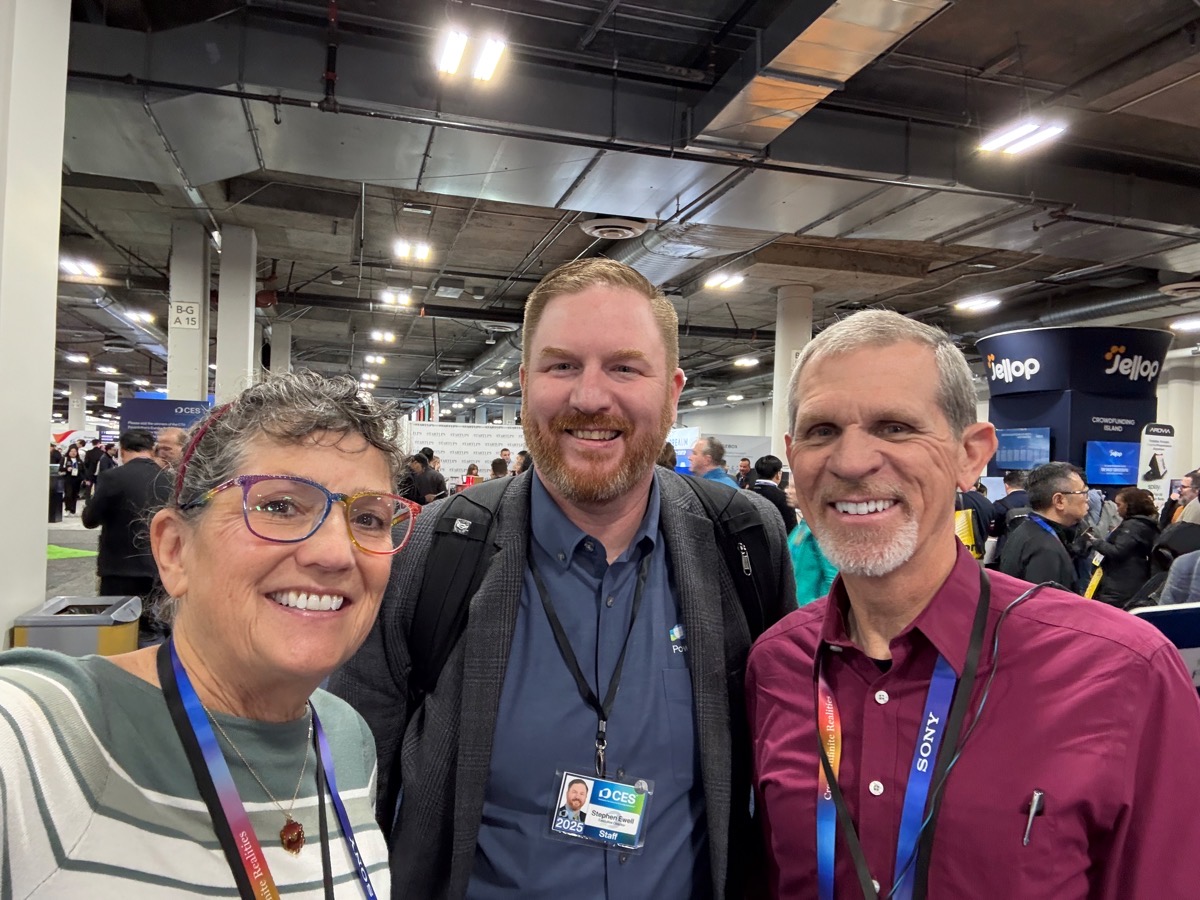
point(933, 728)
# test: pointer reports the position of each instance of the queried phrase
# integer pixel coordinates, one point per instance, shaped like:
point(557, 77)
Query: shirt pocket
point(681, 719)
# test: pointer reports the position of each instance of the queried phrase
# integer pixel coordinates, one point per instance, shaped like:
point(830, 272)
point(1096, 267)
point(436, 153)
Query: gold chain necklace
point(291, 835)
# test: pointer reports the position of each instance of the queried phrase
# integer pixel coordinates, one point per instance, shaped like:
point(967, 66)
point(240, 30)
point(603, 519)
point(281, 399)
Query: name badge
point(600, 811)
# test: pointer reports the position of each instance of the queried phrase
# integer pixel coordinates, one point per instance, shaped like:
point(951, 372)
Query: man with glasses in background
point(1037, 550)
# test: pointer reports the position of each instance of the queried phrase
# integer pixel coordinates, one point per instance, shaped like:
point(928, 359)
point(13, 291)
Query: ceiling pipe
point(1132, 300)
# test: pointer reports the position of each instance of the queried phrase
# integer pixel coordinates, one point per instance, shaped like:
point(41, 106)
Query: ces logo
point(1132, 367)
point(1007, 370)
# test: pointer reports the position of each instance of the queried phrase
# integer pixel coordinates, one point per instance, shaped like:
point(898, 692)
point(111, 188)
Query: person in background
point(1014, 498)
point(436, 463)
point(523, 462)
point(91, 460)
point(769, 472)
point(745, 474)
point(1077, 717)
point(1126, 550)
point(1038, 550)
point(207, 766)
point(506, 455)
point(472, 471)
point(168, 446)
point(55, 454)
point(428, 483)
point(108, 461)
point(499, 467)
point(72, 471)
point(708, 461)
point(982, 514)
point(1183, 580)
point(1189, 490)
point(667, 457)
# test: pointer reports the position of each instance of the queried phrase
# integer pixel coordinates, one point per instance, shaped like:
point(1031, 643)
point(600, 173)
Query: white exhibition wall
point(460, 444)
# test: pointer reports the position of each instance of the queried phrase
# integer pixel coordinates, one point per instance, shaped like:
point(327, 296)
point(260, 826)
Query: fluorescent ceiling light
point(699, 403)
point(468, 399)
point(213, 366)
point(1010, 136)
point(715, 280)
point(141, 382)
point(422, 251)
point(77, 358)
point(489, 58)
point(977, 304)
point(90, 398)
point(451, 56)
point(402, 249)
point(457, 405)
point(1189, 324)
point(107, 370)
point(732, 281)
point(89, 268)
point(1038, 137)
point(388, 297)
point(70, 266)
point(490, 392)
point(58, 415)
point(64, 393)
point(734, 398)
point(745, 362)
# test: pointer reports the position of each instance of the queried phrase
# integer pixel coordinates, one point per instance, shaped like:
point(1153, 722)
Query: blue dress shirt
point(543, 726)
point(721, 476)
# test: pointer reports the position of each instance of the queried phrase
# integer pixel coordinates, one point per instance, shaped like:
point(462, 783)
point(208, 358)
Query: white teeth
point(863, 508)
point(596, 435)
point(303, 600)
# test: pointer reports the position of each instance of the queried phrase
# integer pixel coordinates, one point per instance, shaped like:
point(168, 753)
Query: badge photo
point(600, 811)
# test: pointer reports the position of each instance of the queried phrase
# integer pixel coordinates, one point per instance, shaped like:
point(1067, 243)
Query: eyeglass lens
point(280, 509)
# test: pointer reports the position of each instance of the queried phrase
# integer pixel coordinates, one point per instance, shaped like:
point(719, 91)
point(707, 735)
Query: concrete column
point(235, 312)
point(77, 405)
point(33, 90)
point(509, 412)
point(188, 321)
point(481, 417)
point(1178, 394)
point(793, 329)
point(281, 347)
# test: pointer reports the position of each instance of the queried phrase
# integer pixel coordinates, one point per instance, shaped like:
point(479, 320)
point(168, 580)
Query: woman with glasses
point(213, 765)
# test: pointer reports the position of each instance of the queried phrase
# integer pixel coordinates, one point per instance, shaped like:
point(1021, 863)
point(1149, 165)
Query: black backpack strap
point(454, 567)
point(742, 539)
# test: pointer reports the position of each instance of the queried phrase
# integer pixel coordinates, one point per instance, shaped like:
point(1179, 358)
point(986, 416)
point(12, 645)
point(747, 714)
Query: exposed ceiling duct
point(673, 250)
point(1142, 297)
point(506, 353)
point(789, 80)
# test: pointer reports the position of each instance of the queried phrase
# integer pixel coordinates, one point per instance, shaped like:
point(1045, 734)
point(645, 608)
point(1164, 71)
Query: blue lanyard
point(1046, 526)
point(920, 777)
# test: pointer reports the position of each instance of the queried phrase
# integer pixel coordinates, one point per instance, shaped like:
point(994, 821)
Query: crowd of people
point(616, 689)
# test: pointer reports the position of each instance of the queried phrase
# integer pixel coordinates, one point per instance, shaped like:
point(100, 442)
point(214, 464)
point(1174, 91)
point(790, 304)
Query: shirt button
point(881, 697)
point(623, 858)
point(608, 602)
point(875, 787)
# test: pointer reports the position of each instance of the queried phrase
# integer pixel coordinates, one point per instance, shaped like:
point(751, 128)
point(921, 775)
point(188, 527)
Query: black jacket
point(1036, 555)
point(121, 504)
point(1126, 559)
point(770, 491)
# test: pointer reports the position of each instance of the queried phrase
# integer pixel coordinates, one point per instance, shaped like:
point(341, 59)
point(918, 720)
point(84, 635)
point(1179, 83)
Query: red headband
point(190, 449)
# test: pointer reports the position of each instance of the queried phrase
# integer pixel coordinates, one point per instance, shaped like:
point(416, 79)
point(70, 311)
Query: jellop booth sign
point(1089, 384)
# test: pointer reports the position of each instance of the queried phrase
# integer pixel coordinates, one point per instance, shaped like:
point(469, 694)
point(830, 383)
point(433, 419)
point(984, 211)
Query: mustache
point(579, 422)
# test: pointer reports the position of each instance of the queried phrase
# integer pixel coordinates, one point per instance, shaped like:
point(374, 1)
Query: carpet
point(53, 551)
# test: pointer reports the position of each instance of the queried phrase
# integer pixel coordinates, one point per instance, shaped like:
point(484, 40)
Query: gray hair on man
point(883, 328)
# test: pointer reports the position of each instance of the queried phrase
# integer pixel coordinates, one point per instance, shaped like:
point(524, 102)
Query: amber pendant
point(291, 836)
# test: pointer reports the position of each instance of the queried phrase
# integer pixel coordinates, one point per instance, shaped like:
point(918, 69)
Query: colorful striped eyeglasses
point(287, 509)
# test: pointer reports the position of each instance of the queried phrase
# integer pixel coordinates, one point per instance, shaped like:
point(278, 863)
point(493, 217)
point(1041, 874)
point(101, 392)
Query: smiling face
point(240, 593)
point(598, 397)
point(576, 795)
point(876, 463)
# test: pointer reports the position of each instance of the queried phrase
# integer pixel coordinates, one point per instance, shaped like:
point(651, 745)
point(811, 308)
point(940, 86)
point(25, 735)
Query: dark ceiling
point(793, 142)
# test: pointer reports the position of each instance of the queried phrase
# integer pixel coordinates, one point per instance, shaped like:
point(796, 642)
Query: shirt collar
point(946, 622)
point(561, 538)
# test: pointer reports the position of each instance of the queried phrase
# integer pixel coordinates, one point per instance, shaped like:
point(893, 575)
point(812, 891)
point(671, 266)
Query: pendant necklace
point(291, 835)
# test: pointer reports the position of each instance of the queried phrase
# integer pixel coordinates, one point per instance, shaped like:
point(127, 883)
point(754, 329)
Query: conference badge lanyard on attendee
point(944, 711)
point(593, 808)
point(230, 821)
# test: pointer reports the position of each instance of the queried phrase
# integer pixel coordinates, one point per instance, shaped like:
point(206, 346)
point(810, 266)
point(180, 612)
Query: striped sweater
point(97, 799)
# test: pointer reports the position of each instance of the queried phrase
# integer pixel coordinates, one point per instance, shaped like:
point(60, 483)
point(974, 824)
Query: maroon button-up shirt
point(1089, 704)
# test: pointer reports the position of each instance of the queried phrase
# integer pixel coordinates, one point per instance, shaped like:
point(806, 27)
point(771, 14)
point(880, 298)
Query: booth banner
point(1156, 466)
point(155, 415)
point(1107, 362)
point(459, 444)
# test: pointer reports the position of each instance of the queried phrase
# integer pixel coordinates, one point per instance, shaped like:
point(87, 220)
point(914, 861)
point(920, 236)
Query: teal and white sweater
point(97, 799)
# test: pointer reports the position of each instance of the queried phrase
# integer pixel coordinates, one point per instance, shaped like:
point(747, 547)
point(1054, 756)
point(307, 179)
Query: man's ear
point(169, 534)
point(978, 445)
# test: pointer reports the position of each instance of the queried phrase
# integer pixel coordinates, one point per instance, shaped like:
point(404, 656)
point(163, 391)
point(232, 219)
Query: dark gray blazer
point(445, 747)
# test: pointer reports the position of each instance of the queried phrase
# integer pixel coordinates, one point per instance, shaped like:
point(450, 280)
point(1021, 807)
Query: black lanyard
point(947, 756)
point(602, 710)
point(208, 790)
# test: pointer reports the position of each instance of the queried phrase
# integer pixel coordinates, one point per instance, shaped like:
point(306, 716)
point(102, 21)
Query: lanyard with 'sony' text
point(230, 821)
point(602, 710)
point(944, 711)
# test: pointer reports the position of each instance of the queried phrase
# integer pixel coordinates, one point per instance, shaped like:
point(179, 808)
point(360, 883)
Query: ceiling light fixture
point(213, 366)
point(1189, 324)
point(64, 393)
point(141, 382)
point(388, 297)
point(723, 280)
point(402, 249)
point(422, 251)
point(70, 266)
point(734, 398)
point(699, 403)
point(58, 415)
point(468, 399)
point(453, 45)
point(504, 384)
point(745, 362)
point(490, 392)
point(1023, 137)
point(457, 405)
point(107, 370)
point(77, 358)
point(90, 269)
point(977, 304)
point(90, 398)
point(385, 337)
point(489, 58)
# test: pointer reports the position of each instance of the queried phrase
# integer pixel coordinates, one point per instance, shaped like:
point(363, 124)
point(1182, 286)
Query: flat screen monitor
point(1022, 448)
point(1112, 462)
point(1181, 624)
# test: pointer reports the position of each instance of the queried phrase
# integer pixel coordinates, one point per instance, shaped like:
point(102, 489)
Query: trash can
point(80, 626)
